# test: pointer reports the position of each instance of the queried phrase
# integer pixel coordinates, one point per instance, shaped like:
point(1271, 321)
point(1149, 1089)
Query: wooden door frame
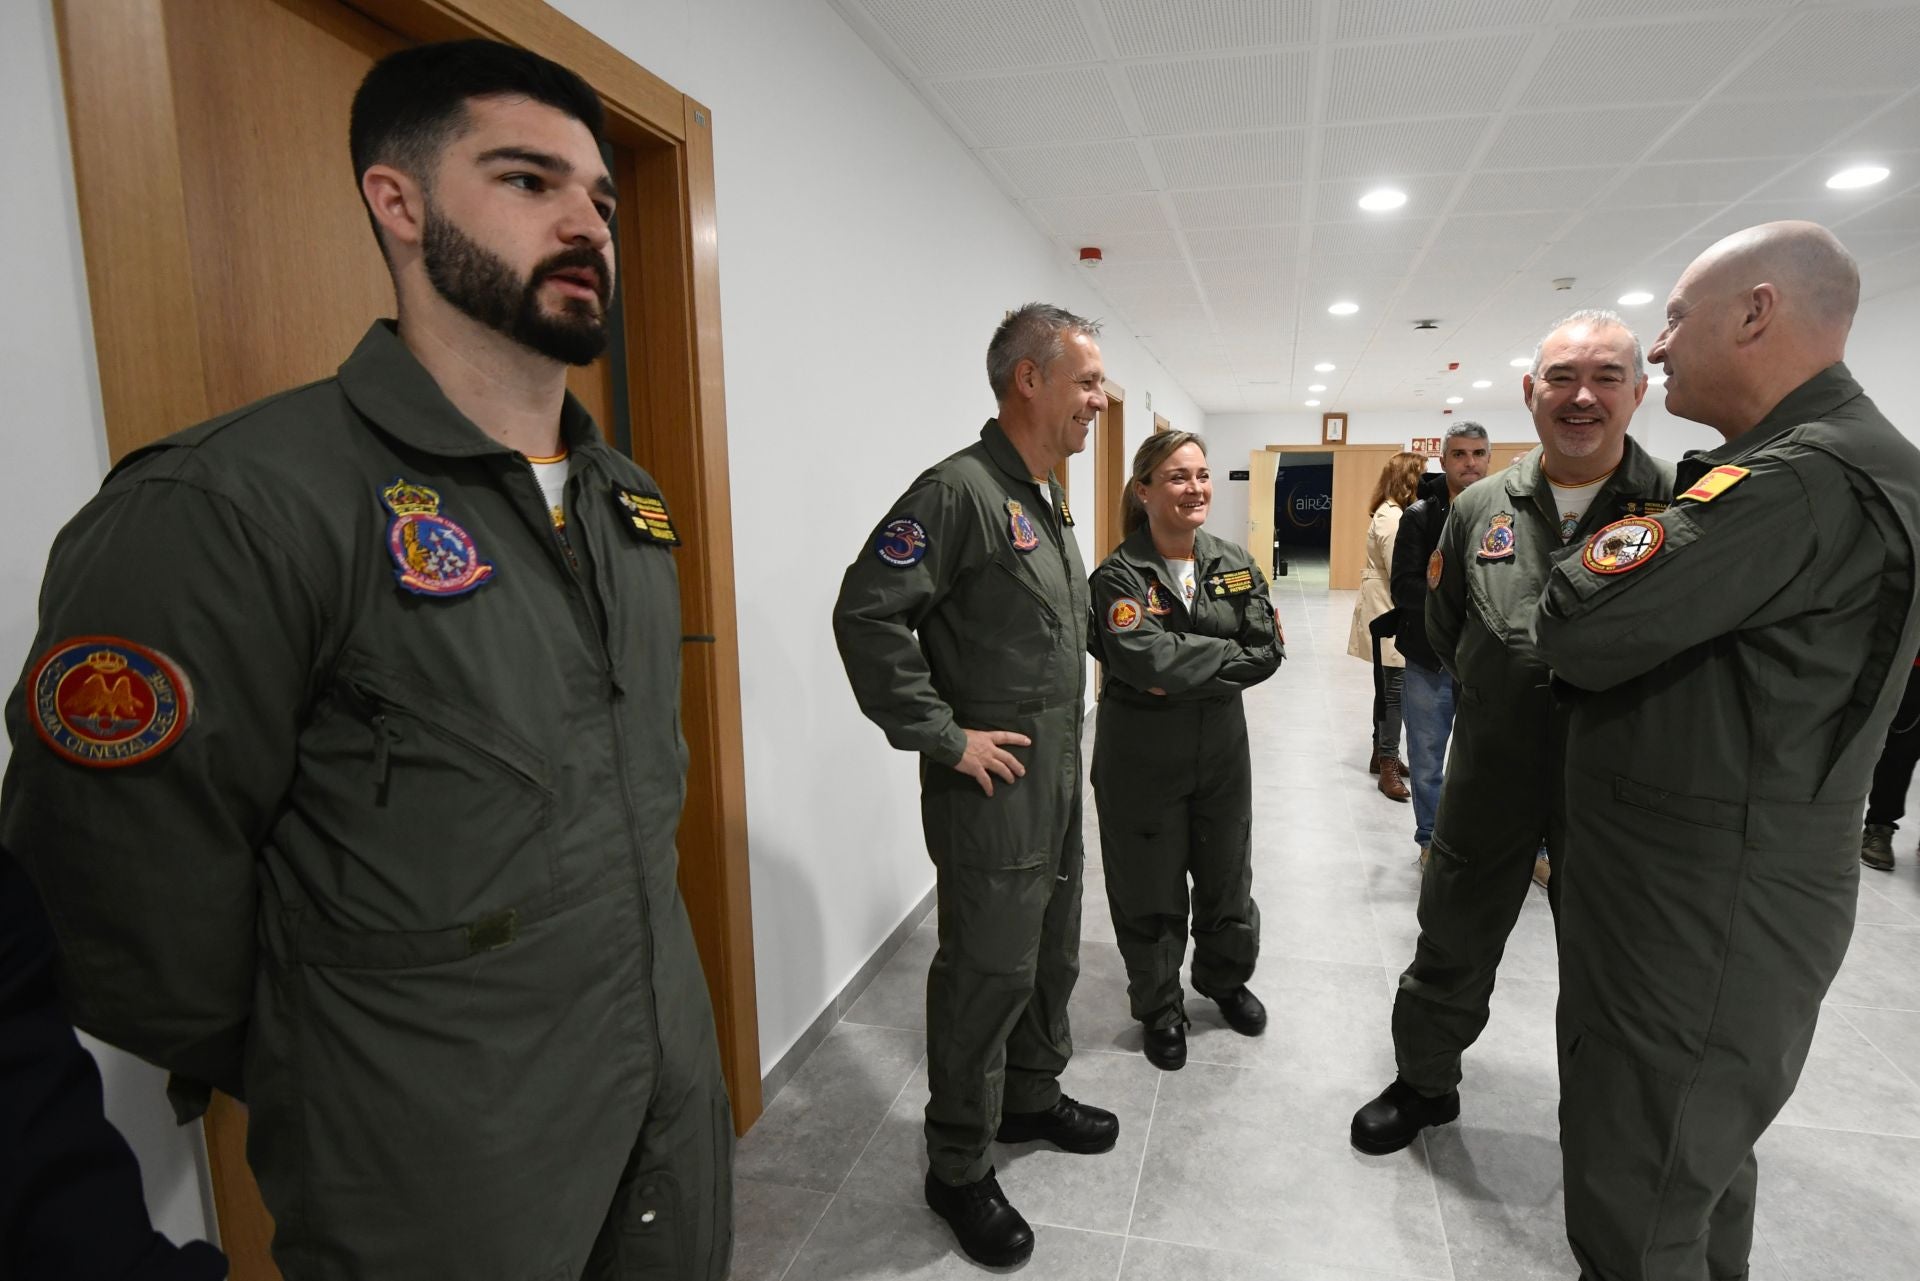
point(134, 224)
point(1110, 472)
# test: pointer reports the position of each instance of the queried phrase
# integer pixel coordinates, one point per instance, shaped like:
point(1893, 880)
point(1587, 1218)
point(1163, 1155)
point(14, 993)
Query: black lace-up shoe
point(1392, 1120)
point(1167, 1047)
point(1069, 1126)
point(1876, 847)
point(1242, 1010)
point(990, 1231)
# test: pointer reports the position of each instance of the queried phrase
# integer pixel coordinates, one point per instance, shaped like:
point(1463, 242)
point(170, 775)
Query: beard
point(481, 284)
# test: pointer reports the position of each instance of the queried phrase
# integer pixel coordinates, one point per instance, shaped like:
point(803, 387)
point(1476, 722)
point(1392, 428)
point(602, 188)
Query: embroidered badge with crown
point(432, 555)
point(105, 702)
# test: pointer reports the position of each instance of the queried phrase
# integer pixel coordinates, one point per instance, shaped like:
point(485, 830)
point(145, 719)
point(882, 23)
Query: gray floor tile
point(1878, 909)
point(770, 1222)
point(1836, 1206)
point(879, 1241)
point(1880, 968)
point(897, 996)
point(821, 1121)
point(1323, 1017)
point(1848, 1084)
point(1163, 1261)
point(1288, 1188)
point(1895, 1033)
point(1317, 921)
point(1498, 1174)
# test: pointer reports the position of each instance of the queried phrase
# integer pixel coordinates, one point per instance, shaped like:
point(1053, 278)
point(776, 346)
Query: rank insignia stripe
point(1066, 513)
point(1715, 483)
point(1159, 600)
point(1124, 615)
point(647, 515)
point(1624, 545)
point(1020, 529)
point(1436, 569)
point(901, 542)
point(432, 554)
point(107, 702)
point(1498, 542)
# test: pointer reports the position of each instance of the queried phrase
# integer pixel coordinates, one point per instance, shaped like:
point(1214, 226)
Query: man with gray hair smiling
point(1501, 798)
point(1742, 653)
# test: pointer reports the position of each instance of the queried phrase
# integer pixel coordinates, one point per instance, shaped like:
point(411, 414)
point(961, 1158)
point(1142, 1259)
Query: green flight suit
point(405, 881)
point(1745, 667)
point(968, 610)
point(1172, 779)
point(1501, 798)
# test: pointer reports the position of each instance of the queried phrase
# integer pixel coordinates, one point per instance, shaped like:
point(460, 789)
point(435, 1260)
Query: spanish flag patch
point(1715, 483)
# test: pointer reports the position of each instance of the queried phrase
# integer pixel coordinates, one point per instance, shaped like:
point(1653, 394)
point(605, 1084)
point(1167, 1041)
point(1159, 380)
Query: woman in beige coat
point(1393, 493)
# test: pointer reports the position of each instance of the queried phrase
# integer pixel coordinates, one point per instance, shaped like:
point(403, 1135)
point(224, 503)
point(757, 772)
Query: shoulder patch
point(1624, 545)
point(647, 516)
point(105, 702)
point(1436, 568)
point(901, 542)
point(1715, 483)
point(432, 556)
point(1498, 542)
point(1123, 615)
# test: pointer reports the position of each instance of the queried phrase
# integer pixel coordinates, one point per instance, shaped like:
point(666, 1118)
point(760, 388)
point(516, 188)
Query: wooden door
point(1110, 472)
point(1356, 470)
point(228, 257)
point(1501, 456)
point(1263, 467)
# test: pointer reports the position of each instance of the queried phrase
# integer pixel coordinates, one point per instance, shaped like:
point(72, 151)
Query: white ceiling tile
point(1084, 219)
point(1889, 274)
point(1669, 62)
point(1259, 91)
point(1399, 236)
point(1895, 130)
point(1421, 78)
point(1143, 277)
point(1086, 169)
point(1588, 10)
point(1160, 28)
point(1358, 19)
point(1586, 136)
point(1897, 216)
point(1784, 126)
point(1855, 49)
point(1232, 159)
point(1693, 182)
point(1508, 231)
point(1386, 151)
point(1532, 189)
point(1239, 244)
point(1237, 207)
point(1011, 111)
point(1150, 246)
point(946, 36)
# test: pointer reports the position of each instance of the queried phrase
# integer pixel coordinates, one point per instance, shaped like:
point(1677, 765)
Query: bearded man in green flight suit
point(1741, 655)
point(1501, 799)
point(963, 627)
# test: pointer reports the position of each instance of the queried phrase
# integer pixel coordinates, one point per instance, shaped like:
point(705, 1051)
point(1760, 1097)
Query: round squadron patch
point(901, 542)
point(1436, 566)
point(105, 702)
point(1497, 543)
point(1159, 600)
point(432, 555)
point(1020, 529)
point(1624, 545)
point(1123, 615)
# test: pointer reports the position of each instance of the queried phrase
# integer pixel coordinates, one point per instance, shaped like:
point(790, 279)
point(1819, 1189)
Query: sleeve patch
point(1123, 615)
point(901, 542)
point(1715, 483)
point(1436, 568)
point(104, 702)
point(1624, 545)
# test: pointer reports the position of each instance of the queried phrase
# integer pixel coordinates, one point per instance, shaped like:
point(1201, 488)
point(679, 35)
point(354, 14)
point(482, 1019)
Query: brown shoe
point(1391, 784)
point(1542, 870)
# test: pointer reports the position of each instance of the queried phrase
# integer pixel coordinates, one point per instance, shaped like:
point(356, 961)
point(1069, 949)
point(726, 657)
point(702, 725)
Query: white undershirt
point(552, 475)
point(1183, 574)
point(1572, 502)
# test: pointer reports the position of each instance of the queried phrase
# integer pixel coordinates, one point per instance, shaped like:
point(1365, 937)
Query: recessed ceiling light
point(1483, 384)
point(1313, 404)
point(1344, 308)
point(1317, 387)
point(1381, 199)
point(1859, 176)
point(1520, 362)
point(1636, 298)
point(1324, 367)
point(1455, 400)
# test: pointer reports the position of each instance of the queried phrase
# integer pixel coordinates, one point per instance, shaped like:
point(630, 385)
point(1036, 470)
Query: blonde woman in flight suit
point(1183, 624)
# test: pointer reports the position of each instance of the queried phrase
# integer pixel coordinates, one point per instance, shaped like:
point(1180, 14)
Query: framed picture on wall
point(1333, 429)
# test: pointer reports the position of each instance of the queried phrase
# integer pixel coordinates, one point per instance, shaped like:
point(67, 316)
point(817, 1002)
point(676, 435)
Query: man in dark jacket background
point(1426, 700)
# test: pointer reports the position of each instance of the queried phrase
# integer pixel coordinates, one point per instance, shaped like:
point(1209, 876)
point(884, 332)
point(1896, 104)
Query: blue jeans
point(1426, 705)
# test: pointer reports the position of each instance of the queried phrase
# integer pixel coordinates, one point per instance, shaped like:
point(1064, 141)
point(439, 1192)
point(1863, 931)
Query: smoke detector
point(1426, 324)
point(1561, 283)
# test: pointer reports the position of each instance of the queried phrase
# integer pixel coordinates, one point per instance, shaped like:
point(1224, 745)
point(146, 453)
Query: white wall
point(1884, 354)
point(865, 259)
point(54, 442)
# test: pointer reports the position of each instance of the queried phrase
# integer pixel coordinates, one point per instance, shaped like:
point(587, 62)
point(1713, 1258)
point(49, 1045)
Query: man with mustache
point(378, 835)
point(1742, 653)
point(1501, 799)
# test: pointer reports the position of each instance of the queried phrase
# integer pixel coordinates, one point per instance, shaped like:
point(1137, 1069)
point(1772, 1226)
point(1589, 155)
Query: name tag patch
point(648, 516)
point(1237, 582)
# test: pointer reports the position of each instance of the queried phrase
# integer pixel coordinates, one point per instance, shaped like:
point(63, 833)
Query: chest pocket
point(435, 817)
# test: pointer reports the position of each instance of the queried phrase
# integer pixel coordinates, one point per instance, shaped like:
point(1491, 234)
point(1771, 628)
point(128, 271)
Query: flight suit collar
point(1811, 401)
point(1008, 459)
point(1137, 550)
point(1637, 473)
point(393, 391)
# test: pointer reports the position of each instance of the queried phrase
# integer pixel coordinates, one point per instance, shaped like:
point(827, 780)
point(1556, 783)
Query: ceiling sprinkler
point(1426, 324)
point(1563, 283)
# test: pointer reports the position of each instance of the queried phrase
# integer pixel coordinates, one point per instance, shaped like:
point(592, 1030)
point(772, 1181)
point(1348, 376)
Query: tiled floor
point(1237, 1168)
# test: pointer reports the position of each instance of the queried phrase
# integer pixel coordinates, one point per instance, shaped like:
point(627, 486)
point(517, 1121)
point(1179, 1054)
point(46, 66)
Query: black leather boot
point(1397, 1115)
point(1068, 1125)
point(1167, 1047)
point(990, 1231)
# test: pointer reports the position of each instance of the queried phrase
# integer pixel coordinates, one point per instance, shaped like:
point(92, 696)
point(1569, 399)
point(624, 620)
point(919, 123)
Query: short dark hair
point(1035, 332)
point(414, 102)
